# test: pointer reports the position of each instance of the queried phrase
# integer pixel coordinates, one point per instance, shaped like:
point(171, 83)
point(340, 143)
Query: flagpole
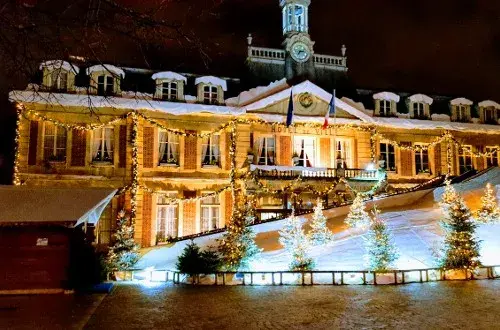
point(335, 132)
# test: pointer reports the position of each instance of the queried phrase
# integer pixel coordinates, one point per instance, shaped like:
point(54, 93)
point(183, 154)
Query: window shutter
point(437, 159)
point(33, 145)
point(324, 144)
point(228, 207)
point(78, 147)
point(226, 152)
point(148, 147)
point(189, 214)
point(285, 151)
point(190, 152)
point(406, 160)
point(122, 145)
point(147, 210)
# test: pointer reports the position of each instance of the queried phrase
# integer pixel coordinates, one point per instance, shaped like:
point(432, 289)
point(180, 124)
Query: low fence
point(313, 277)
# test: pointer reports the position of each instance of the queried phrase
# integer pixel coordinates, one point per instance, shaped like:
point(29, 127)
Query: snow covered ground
point(412, 217)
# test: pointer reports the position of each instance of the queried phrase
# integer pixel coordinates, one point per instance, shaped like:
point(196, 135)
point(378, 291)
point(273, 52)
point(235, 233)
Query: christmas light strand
point(15, 174)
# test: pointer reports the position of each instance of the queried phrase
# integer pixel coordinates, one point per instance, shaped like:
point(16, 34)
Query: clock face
point(300, 52)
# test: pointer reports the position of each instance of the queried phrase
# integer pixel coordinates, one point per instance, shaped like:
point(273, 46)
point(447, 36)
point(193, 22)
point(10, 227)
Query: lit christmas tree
point(293, 238)
point(449, 196)
point(489, 211)
point(381, 253)
point(123, 253)
point(461, 249)
point(358, 217)
point(319, 234)
point(237, 246)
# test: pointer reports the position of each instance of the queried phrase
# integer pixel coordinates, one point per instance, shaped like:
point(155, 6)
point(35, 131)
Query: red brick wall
point(78, 147)
point(285, 152)
point(122, 146)
point(147, 217)
point(190, 146)
point(148, 147)
point(406, 157)
point(33, 143)
point(324, 145)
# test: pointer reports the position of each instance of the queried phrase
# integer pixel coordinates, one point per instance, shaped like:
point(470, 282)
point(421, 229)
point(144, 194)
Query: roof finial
point(343, 50)
point(249, 39)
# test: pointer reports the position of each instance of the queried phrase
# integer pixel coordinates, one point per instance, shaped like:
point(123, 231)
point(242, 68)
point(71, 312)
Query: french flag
point(331, 110)
point(289, 114)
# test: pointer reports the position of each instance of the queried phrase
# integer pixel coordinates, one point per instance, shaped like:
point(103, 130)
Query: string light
point(15, 175)
point(135, 168)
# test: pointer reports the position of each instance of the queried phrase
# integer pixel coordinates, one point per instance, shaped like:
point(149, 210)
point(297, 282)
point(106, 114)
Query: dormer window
point(105, 79)
point(169, 91)
point(169, 86)
point(210, 94)
point(419, 106)
point(489, 112)
point(105, 85)
point(58, 75)
point(418, 110)
point(211, 89)
point(385, 104)
point(460, 110)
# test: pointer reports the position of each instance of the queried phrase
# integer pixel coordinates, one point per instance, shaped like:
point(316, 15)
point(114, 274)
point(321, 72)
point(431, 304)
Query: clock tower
point(299, 60)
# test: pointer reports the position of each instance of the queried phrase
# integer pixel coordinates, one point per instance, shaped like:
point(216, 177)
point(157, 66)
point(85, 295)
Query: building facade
point(176, 146)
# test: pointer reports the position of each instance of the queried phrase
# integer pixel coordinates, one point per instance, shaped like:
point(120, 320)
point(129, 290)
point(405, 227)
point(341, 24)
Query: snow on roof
point(59, 64)
point(461, 101)
point(79, 100)
point(388, 96)
point(489, 103)
point(52, 205)
point(169, 75)
point(211, 80)
point(303, 87)
point(106, 67)
point(257, 93)
point(421, 98)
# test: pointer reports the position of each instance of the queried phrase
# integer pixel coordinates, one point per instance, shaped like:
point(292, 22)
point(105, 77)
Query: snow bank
point(140, 95)
point(211, 80)
point(440, 117)
point(169, 75)
point(106, 68)
point(190, 98)
point(489, 103)
point(421, 98)
point(358, 105)
point(33, 87)
point(430, 124)
point(256, 93)
point(403, 115)
point(388, 96)
point(461, 101)
point(58, 64)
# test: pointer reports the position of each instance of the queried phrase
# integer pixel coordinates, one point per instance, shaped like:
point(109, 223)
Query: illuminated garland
point(173, 200)
point(449, 167)
point(134, 186)
point(15, 174)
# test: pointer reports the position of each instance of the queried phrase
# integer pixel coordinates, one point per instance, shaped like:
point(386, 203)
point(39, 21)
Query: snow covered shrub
point(489, 212)
point(358, 217)
point(319, 234)
point(294, 240)
point(123, 254)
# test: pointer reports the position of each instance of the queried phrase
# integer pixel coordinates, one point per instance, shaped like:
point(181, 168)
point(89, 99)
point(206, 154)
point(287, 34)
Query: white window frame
point(167, 223)
point(101, 145)
point(106, 84)
point(346, 152)
point(418, 110)
point(462, 155)
point(171, 92)
point(383, 106)
point(387, 154)
point(302, 152)
point(265, 150)
point(168, 148)
point(212, 222)
point(213, 94)
point(462, 112)
point(54, 147)
point(420, 166)
point(493, 158)
point(210, 152)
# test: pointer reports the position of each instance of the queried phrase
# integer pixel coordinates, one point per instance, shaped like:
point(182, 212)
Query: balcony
point(313, 173)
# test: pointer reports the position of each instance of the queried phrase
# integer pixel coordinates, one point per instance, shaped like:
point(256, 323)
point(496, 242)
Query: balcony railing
point(328, 61)
point(267, 55)
point(288, 173)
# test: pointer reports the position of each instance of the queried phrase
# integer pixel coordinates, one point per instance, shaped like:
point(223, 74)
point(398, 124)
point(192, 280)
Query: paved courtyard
point(441, 305)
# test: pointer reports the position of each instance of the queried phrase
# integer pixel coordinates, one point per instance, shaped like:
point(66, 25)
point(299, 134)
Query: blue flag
point(289, 115)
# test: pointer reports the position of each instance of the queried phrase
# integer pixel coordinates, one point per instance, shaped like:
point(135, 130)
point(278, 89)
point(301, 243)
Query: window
point(385, 108)
point(210, 151)
point(492, 158)
point(168, 148)
point(210, 210)
point(54, 142)
point(59, 80)
point(462, 113)
point(343, 154)
point(422, 161)
point(294, 18)
point(166, 217)
point(265, 151)
point(465, 159)
point(388, 155)
point(102, 145)
point(489, 116)
point(418, 110)
point(300, 18)
point(305, 148)
point(105, 85)
point(210, 94)
point(169, 91)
